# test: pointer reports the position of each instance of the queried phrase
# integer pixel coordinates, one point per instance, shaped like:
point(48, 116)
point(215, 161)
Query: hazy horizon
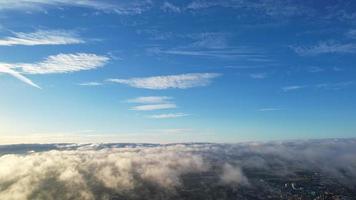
point(177, 99)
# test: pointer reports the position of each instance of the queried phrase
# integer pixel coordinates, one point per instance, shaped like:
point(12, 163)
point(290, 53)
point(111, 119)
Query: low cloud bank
point(131, 171)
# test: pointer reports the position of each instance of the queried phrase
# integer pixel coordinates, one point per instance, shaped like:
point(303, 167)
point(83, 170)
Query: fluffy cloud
point(133, 171)
point(41, 37)
point(91, 174)
point(233, 175)
point(182, 81)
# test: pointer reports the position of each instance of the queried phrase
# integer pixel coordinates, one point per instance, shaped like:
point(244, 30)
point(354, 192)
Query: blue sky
point(176, 71)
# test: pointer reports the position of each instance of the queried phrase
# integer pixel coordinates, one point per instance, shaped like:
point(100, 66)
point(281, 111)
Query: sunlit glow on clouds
point(97, 171)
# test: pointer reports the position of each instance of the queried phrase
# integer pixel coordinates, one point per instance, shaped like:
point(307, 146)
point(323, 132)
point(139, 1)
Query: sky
point(176, 71)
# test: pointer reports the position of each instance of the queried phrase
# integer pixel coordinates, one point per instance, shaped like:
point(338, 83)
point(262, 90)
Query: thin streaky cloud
point(334, 86)
point(90, 84)
point(169, 7)
point(181, 81)
point(275, 8)
point(41, 37)
point(150, 107)
point(351, 34)
point(119, 7)
point(258, 75)
point(227, 53)
point(150, 100)
point(168, 116)
point(7, 70)
point(293, 87)
point(62, 63)
point(325, 47)
point(268, 109)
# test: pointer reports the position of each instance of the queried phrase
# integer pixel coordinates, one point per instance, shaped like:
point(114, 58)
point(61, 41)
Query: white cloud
point(41, 37)
point(87, 173)
point(8, 70)
point(293, 87)
point(168, 116)
point(268, 109)
point(274, 8)
point(63, 63)
point(233, 175)
point(351, 34)
point(324, 86)
point(215, 50)
point(119, 7)
point(150, 99)
point(169, 7)
point(258, 75)
point(150, 107)
point(325, 47)
point(211, 40)
point(334, 86)
point(90, 84)
point(182, 81)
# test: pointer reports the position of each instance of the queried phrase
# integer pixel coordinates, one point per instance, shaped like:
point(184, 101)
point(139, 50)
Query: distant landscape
point(310, 169)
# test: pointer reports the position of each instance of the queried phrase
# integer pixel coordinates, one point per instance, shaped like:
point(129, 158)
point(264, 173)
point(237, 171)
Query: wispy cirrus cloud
point(119, 7)
point(181, 81)
point(93, 83)
point(169, 7)
point(150, 99)
point(351, 33)
point(149, 103)
point(62, 63)
point(258, 75)
point(320, 86)
point(223, 53)
point(334, 86)
point(150, 107)
point(168, 115)
point(269, 109)
point(42, 37)
point(292, 87)
point(8, 70)
point(325, 47)
point(275, 8)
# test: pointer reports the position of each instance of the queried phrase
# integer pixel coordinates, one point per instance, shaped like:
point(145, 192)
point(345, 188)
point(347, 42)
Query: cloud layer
point(133, 171)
